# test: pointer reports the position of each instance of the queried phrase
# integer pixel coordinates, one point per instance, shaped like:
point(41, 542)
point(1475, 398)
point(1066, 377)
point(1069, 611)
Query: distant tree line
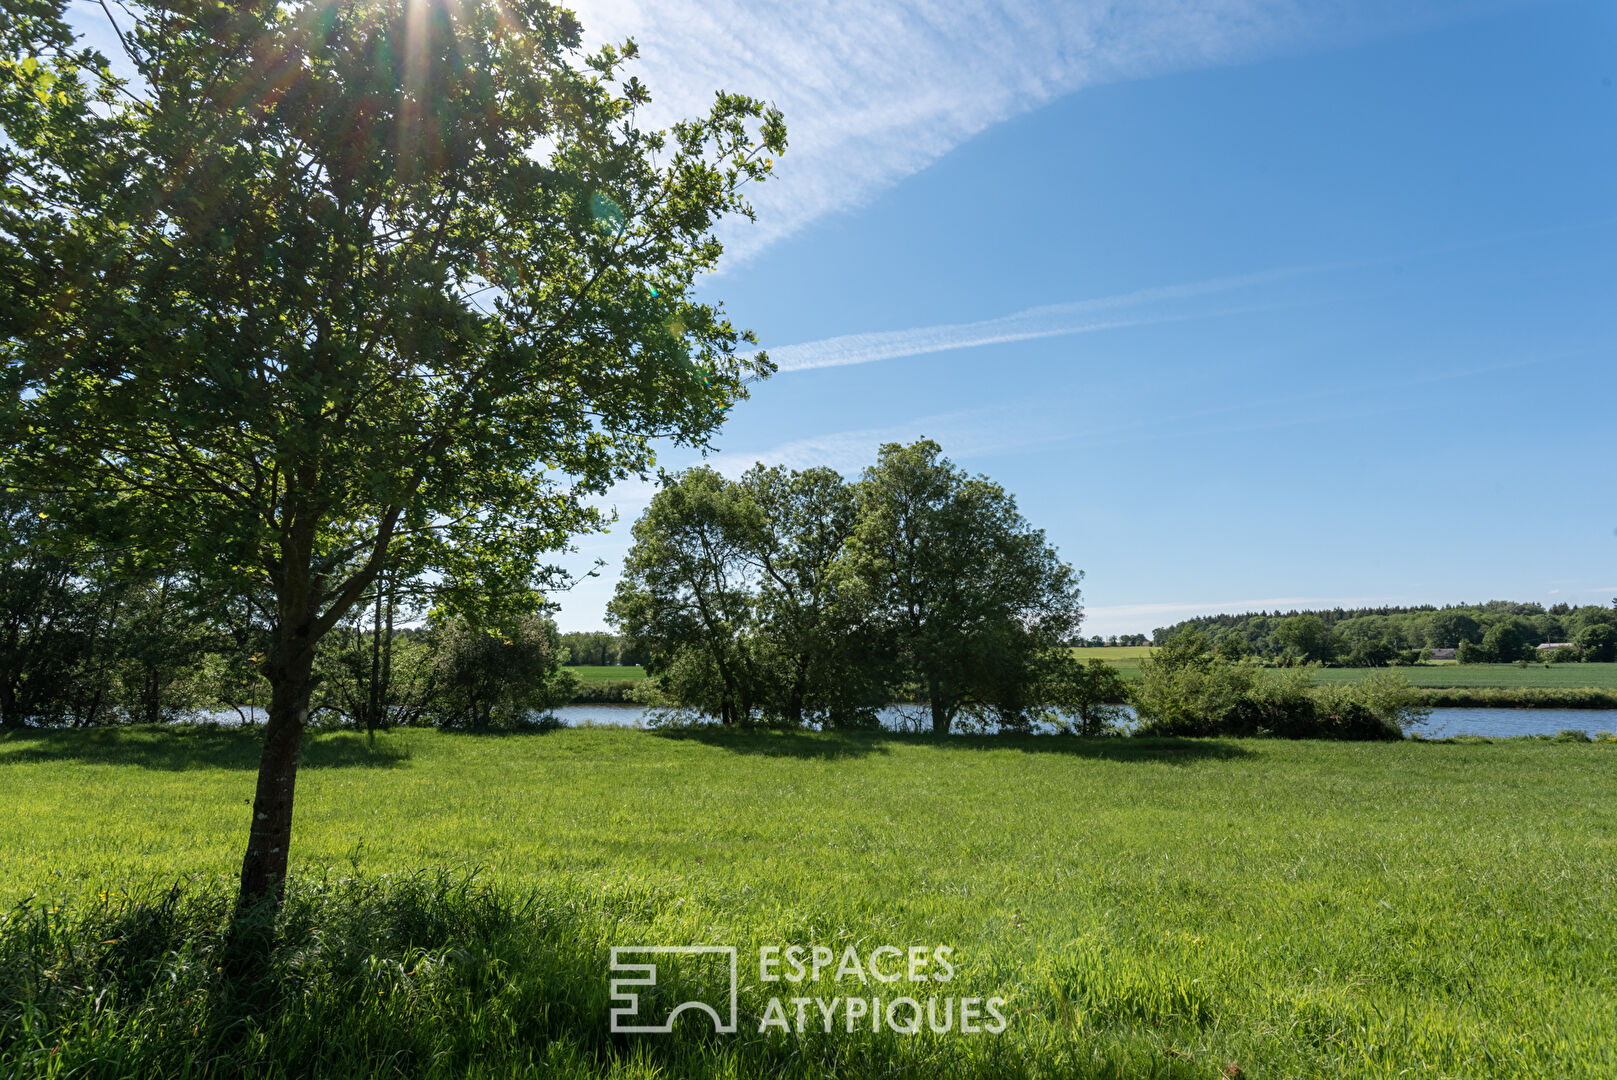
point(796, 597)
point(98, 633)
point(1095, 641)
point(599, 649)
point(1496, 632)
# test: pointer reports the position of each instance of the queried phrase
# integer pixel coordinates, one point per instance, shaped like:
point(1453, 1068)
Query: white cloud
point(875, 91)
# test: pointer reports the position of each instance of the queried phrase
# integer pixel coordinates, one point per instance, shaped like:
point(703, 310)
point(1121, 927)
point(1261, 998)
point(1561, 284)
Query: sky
point(1250, 304)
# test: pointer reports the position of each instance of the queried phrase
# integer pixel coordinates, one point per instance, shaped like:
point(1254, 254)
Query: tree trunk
point(794, 700)
point(940, 714)
point(386, 695)
point(373, 704)
point(263, 870)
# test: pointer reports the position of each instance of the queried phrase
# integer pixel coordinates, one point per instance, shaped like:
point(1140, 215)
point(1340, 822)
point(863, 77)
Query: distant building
point(1442, 654)
point(1548, 645)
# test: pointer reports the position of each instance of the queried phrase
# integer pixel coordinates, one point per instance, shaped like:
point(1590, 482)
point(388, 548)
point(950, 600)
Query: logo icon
point(704, 967)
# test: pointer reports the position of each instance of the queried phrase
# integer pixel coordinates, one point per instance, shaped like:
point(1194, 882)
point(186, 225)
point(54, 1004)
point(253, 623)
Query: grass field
point(1150, 908)
point(1505, 676)
point(1126, 658)
point(597, 673)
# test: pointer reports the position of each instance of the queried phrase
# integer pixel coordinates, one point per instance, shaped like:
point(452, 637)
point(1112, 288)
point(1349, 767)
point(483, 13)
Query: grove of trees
point(90, 636)
point(797, 597)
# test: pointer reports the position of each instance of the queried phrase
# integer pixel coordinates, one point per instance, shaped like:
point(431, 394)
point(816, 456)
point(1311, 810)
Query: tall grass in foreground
point(1149, 907)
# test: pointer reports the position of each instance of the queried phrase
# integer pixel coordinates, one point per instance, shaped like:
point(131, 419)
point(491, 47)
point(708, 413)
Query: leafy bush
point(1087, 698)
point(1382, 705)
point(486, 677)
point(1185, 690)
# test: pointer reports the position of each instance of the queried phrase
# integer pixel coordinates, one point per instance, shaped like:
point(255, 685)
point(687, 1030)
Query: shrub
point(487, 677)
point(1382, 705)
point(1087, 698)
point(1189, 692)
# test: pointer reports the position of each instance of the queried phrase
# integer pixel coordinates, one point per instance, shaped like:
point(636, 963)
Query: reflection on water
point(1443, 722)
point(1497, 723)
point(1502, 722)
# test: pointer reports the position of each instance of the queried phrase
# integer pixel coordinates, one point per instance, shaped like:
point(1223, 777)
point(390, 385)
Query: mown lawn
point(1147, 907)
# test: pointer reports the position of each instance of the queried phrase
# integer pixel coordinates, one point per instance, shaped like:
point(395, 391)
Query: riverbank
point(1465, 722)
point(630, 691)
point(1524, 697)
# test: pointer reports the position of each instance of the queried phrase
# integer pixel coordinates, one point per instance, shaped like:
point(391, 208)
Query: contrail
point(1053, 320)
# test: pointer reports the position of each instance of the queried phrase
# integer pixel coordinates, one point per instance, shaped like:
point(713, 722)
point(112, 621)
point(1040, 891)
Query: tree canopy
point(794, 595)
point(332, 291)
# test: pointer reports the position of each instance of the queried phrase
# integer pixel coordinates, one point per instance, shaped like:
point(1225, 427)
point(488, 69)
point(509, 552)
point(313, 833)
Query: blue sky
point(1249, 304)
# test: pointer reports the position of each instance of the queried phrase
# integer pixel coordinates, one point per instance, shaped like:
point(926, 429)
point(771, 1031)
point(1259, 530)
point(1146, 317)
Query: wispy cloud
point(1053, 320)
point(1142, 307)
point(874, 91)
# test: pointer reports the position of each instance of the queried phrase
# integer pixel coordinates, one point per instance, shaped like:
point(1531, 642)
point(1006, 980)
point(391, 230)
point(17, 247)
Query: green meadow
point(607, 673)
point(1126, 658)
point(1501, 676)
point(1146, 908)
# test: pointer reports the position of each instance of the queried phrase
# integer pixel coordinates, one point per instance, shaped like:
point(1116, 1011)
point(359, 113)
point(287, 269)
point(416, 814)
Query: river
point(1443, 722)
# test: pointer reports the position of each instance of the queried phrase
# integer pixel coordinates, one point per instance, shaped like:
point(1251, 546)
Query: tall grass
point(1149, 907)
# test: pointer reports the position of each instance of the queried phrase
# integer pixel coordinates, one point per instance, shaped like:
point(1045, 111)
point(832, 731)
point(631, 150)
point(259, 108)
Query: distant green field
point(597, 673)
point(1177, 909)
point(1441, 675)
point(1505, 676)
point(1126, 658)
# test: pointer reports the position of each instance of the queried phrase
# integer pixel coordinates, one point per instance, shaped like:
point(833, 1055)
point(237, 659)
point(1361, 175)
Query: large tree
point(824, 658)
point(687, 594)
point(355, 288)
point(970, 593)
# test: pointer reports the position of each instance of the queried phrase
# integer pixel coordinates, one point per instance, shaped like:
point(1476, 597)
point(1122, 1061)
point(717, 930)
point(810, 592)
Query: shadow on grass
point(851, 744)
point(181, 747)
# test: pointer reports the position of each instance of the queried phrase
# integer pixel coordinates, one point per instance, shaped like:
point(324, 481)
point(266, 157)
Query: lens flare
point(609, 216)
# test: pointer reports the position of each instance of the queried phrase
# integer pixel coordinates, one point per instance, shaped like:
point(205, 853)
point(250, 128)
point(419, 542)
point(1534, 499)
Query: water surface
point(1443, 722)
